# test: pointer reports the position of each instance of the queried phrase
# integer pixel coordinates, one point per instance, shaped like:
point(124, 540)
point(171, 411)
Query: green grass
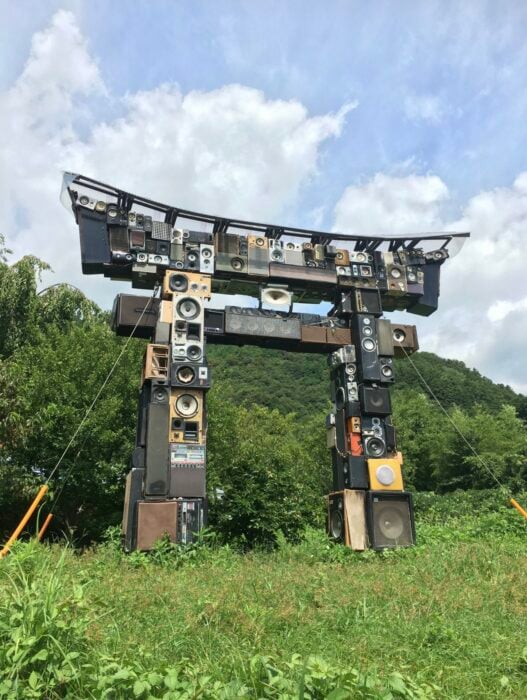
point(449, 613)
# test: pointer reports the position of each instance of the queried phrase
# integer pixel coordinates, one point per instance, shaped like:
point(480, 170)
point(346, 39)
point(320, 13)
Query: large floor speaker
point(390, 519)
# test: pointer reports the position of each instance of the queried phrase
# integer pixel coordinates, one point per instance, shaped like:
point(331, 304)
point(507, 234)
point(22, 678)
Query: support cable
point(45, 487)
point(462, 436)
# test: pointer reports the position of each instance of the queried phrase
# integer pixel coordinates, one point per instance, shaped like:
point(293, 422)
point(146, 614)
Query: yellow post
point(40, 495)
point(519, 508)
point(44, 527)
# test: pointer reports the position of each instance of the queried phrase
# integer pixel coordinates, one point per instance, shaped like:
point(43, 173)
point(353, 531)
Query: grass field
point(306, 620)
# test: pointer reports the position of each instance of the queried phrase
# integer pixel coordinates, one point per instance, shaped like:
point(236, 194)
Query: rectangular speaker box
point(390, 519)
point(187, 283)
point(138, 459)
point(227, 243)
point(187, 471)
point(387, 370)
point(350, 472)
point(95, 246)
point(161, 231)
point(126, 312)
point(375, 401)
point(384, 337)
point(187, 416)
point(156, 520)
point(206, 259)
point(191, 519)
point(189, 374)
point(254, 322)
point(156, 361)
point(391, 436)
point(386, 474)
point(201, 237)
point(214, 322)
point(156, 479)
point(234, 264)
point(404, 339)
point(365, 337)
point(132, 494)
point(347, 519)
point(119, 242)
point(142, 413)
point(427, 303)
point(366, 300)
point(258, 256)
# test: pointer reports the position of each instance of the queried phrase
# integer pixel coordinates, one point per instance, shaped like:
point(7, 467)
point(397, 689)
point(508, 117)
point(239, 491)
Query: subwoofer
point(390, 519)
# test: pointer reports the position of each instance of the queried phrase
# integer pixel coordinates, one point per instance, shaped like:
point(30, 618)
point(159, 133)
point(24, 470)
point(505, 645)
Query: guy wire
point(452, 422)
point(108, 376)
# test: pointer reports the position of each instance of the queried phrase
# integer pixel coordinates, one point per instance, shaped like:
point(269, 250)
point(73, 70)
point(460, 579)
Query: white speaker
point(277, 295)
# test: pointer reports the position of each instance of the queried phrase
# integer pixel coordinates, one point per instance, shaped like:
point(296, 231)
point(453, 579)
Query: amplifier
point(187, 471)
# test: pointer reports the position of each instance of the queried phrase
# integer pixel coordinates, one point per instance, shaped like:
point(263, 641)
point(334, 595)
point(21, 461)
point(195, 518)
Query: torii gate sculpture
point(127, 237)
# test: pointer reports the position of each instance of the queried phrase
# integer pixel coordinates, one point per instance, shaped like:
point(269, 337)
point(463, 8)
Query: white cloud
point(388, 204)
point(229, 151)
point(482, 316)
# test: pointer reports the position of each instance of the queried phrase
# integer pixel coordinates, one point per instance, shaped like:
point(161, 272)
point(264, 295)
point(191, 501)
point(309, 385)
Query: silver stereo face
point(206, 259)
point(155, 259)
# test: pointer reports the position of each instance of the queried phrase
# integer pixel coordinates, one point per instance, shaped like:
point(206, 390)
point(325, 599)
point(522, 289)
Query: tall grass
point(443, 620)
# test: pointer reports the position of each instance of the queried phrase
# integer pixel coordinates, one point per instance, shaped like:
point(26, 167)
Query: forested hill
point(299, 383)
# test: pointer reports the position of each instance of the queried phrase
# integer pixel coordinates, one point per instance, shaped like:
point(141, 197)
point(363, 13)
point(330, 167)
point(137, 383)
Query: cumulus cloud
point(229, 151)
point(482, 318)
point(391, 204)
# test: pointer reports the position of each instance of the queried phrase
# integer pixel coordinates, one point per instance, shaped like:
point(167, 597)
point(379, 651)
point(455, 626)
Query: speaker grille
point(390, 520)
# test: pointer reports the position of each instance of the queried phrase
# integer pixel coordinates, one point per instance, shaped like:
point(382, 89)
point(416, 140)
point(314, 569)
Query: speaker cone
point(237, 264)
point(185, 375)
point(193, 352)
point(374, 447)
point(178, 283)
point(336, 525)
point(187, 405)
point(399, 335)
point(188, 308)
point(390, 522)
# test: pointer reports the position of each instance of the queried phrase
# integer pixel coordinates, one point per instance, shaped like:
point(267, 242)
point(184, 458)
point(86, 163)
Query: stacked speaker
point(368, 506)
point(166, 487)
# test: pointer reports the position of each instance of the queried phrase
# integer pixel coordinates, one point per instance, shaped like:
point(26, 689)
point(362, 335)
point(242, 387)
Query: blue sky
point(437, 107)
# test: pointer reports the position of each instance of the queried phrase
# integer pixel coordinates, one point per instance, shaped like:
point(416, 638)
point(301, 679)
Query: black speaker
point(375, 401)
point(214, 322)
point(336, 524)
point(95, 246)
point(190, 374)
point(387, 370)
point(156, 478)
point(390, 519)
point(364, 333)
point(427, 303)
point(254, 322)
point(349, 472)
point(133, 494)
point(178, 282)
point(126, 312)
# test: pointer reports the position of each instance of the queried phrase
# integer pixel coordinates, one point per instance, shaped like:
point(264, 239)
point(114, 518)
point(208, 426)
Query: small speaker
point(390, 519)
point(276, 296)
point(190, 375)
point(375, 401)
point(385, 474)
point(374, 446)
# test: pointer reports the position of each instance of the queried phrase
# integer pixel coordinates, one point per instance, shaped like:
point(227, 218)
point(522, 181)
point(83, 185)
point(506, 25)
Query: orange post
point(44, 527)
point(519, 508)
point(40, 495)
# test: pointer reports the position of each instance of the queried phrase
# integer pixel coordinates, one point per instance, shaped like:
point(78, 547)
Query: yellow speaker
point(188, 283)
point(386, 473)
point(187, 416)
point(343, 257)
